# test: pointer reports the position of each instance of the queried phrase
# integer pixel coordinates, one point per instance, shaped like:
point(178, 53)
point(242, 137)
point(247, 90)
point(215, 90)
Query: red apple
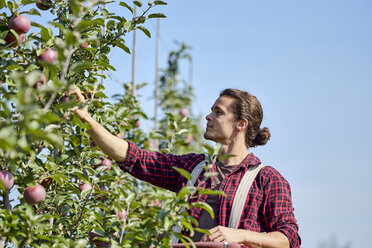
point(85, 186)
point(34, 194)
point(138, 123)
point(21, 24)
point(84, 44)
point(107, 163)
point(44, 4)
point(10, 38)
point(64, 99)
point(7, 178)
point(46, 182)
point(122, 214)
point(183, 112)
point(49, 55)
point(40, 82)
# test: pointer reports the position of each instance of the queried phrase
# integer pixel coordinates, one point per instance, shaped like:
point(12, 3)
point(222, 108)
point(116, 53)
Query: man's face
point(221, 121)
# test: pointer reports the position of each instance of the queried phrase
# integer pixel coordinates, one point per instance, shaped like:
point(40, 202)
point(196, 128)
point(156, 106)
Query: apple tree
point(58, 188)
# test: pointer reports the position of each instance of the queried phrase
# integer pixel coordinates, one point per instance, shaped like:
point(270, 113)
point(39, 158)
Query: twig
point(123, 228)
point(62, 78)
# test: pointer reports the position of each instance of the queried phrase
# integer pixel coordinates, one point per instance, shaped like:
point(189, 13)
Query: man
point(234, 122)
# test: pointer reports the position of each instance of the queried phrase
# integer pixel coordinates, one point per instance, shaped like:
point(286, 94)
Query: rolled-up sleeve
point(278, 211)
point(157, 168)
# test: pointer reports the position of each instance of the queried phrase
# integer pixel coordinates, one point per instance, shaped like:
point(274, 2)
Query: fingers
point(206, 238)
point(78, 93)
point(217, 234)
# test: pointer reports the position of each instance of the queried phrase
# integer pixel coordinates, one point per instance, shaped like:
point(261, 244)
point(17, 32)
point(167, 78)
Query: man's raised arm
point(114, 147)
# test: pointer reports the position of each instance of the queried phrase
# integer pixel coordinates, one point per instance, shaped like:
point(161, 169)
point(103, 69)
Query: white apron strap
point(241, 195)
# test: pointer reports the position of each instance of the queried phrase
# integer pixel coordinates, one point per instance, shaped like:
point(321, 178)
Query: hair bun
point(263, 135)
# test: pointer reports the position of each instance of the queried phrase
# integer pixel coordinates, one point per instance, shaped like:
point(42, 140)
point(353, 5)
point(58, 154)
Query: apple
point(46, 182)
point(44, 4)
point(21, 24)
point(7, 178)
point(107, 163)
point(84, 45)
point(48, 55)
point(138, 123)
point(11, 39)
point(64, 99)
point(183, 112)
point(34, 194)
point(40, 82)
point(85, 186)
point(122, 214)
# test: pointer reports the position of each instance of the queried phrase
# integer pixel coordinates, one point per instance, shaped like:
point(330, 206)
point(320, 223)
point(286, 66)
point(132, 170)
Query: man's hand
point(81, 112)
point(221, 234)
point(249, 238)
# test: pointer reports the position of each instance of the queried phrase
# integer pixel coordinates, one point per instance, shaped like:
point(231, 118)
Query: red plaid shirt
point(268, 207)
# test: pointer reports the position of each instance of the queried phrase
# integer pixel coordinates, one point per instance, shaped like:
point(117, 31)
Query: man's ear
point(242, 124)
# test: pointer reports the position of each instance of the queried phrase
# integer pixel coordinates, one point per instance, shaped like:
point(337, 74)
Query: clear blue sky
point(310, 65)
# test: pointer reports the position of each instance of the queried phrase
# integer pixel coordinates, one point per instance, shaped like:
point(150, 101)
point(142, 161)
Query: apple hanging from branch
point(7, 178)
point(34, 194)
point(49, 56)
point(21, 24)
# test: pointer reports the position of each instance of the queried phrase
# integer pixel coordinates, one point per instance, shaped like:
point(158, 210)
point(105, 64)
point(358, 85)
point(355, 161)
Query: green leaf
point(160, 3)
point(156, 15)
point(224, 157)
point(138, 3)
point(45, 35)
point(183, 192)
point(106, 65)
point(144, 30)
point(98, 217)
point(204, 206)
point(123, 47)
point(80, 65)
point(126, 6)
point(84, 24)
point(14, 67)
point(26, 2)
point(33, 12)
point(183, 172)
point(210, 192)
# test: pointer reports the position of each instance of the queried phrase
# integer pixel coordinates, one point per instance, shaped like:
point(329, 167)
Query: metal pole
point(104, 33)
point(157, 89)
point(134, 56)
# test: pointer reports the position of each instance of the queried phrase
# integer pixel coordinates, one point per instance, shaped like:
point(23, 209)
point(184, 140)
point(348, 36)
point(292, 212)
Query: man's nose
point(208, 117)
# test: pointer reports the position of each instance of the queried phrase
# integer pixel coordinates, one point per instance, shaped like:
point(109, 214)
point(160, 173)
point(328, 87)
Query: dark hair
point(247, 107)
